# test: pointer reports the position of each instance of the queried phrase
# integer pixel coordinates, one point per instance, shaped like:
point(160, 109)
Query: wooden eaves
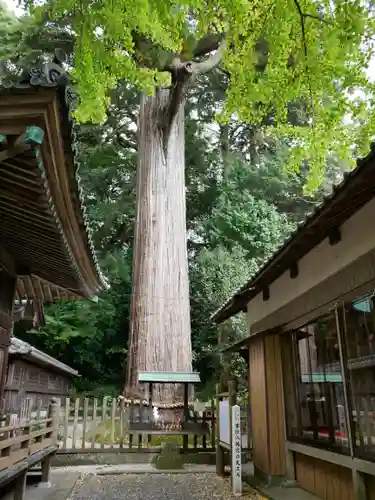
point(44, 231)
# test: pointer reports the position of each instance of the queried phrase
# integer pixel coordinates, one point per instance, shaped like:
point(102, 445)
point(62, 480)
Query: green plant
point(106, 433)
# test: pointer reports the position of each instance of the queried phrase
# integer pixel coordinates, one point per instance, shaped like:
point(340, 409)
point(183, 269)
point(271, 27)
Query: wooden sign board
point(224, 425)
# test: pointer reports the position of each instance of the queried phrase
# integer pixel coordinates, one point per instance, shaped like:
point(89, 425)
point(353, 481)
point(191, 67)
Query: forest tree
point(277, 53)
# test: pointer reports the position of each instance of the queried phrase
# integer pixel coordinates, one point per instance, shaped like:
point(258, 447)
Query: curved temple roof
point(43, 222)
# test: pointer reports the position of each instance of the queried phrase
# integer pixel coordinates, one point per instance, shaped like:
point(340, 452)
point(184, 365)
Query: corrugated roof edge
point(337, 190)
point(18, 346)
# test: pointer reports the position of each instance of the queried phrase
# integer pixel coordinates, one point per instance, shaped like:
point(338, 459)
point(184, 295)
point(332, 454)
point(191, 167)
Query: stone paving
point(143, 482)
point(62, 483)
point(162, 486)
point(132, 482)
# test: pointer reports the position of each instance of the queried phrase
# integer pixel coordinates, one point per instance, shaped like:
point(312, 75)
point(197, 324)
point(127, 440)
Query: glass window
point(359, 329)
point(314, 386)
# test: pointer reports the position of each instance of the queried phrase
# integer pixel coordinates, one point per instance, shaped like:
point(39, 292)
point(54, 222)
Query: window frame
point(330, 444)
point(353, 450)
point(359, 451)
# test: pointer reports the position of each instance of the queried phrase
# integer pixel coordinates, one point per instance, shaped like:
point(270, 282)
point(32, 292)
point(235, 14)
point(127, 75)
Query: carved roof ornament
point(50, 74)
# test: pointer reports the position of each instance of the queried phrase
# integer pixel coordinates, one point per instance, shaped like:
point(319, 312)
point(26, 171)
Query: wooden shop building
point(34, 378)
point(311, 347)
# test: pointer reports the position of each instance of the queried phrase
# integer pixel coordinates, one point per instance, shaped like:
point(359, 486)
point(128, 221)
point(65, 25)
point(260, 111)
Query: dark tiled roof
point(356, 189)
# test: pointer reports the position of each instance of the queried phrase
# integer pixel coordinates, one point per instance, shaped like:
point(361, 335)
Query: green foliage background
point(241, 200)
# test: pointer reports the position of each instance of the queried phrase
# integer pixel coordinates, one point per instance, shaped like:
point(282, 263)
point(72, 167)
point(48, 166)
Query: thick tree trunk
point(160, 336)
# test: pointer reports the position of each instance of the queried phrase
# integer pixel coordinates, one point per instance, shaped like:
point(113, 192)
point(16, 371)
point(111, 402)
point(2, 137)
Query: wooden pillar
point(20, 487)
point(185, 439)
point(232, 401)
point(360, 491)
point(267, 409)
point(8, 289)
point(292, 411)
point(53, 413)
point(219, 450)
point(4, 367)
point(150, 412)
point(150, 390)
point(46, 469)
point(5, 335)
point(232, 392)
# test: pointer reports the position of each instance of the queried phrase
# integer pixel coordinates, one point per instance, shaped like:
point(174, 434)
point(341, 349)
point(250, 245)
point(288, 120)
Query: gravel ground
point(155, 487)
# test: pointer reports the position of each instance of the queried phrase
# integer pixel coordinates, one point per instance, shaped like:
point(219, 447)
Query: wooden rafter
point(31, 136)
point(6, 154)
point(39, 216)
point(11, 129)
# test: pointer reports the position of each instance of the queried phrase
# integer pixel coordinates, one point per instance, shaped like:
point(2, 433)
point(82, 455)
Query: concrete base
point(279, 493)
point(62, 483)
point(267, 487)
point(267, 479)
point(290, 483)
point(97, 458)
point(43, 485)
point(109, 470)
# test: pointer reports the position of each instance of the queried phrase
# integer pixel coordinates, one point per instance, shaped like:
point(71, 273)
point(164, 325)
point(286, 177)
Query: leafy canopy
point(240, 218)
point(277, 52)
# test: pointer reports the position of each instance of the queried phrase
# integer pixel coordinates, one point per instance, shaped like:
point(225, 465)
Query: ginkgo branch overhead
point(182, 73)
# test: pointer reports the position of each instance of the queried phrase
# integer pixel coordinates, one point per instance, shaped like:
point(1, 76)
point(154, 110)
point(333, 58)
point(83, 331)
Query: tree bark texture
point(160, 335)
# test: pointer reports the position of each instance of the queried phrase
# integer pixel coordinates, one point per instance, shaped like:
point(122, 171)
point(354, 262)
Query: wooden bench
point(24, 445)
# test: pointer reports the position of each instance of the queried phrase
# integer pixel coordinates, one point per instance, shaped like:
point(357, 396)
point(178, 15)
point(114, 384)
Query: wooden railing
point(92, 425)
point(19, 441)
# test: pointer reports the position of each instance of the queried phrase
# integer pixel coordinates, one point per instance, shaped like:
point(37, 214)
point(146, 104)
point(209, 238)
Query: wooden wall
point(275, 404)
point(7, 290)
point(326, 481)
point(370, 487)
point(28, 381)
point(267, 412)
point(258, 404)
point(7, 293)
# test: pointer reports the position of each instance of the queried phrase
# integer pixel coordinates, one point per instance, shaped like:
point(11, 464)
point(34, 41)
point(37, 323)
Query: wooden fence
point(19, 440)
point(90, 425)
